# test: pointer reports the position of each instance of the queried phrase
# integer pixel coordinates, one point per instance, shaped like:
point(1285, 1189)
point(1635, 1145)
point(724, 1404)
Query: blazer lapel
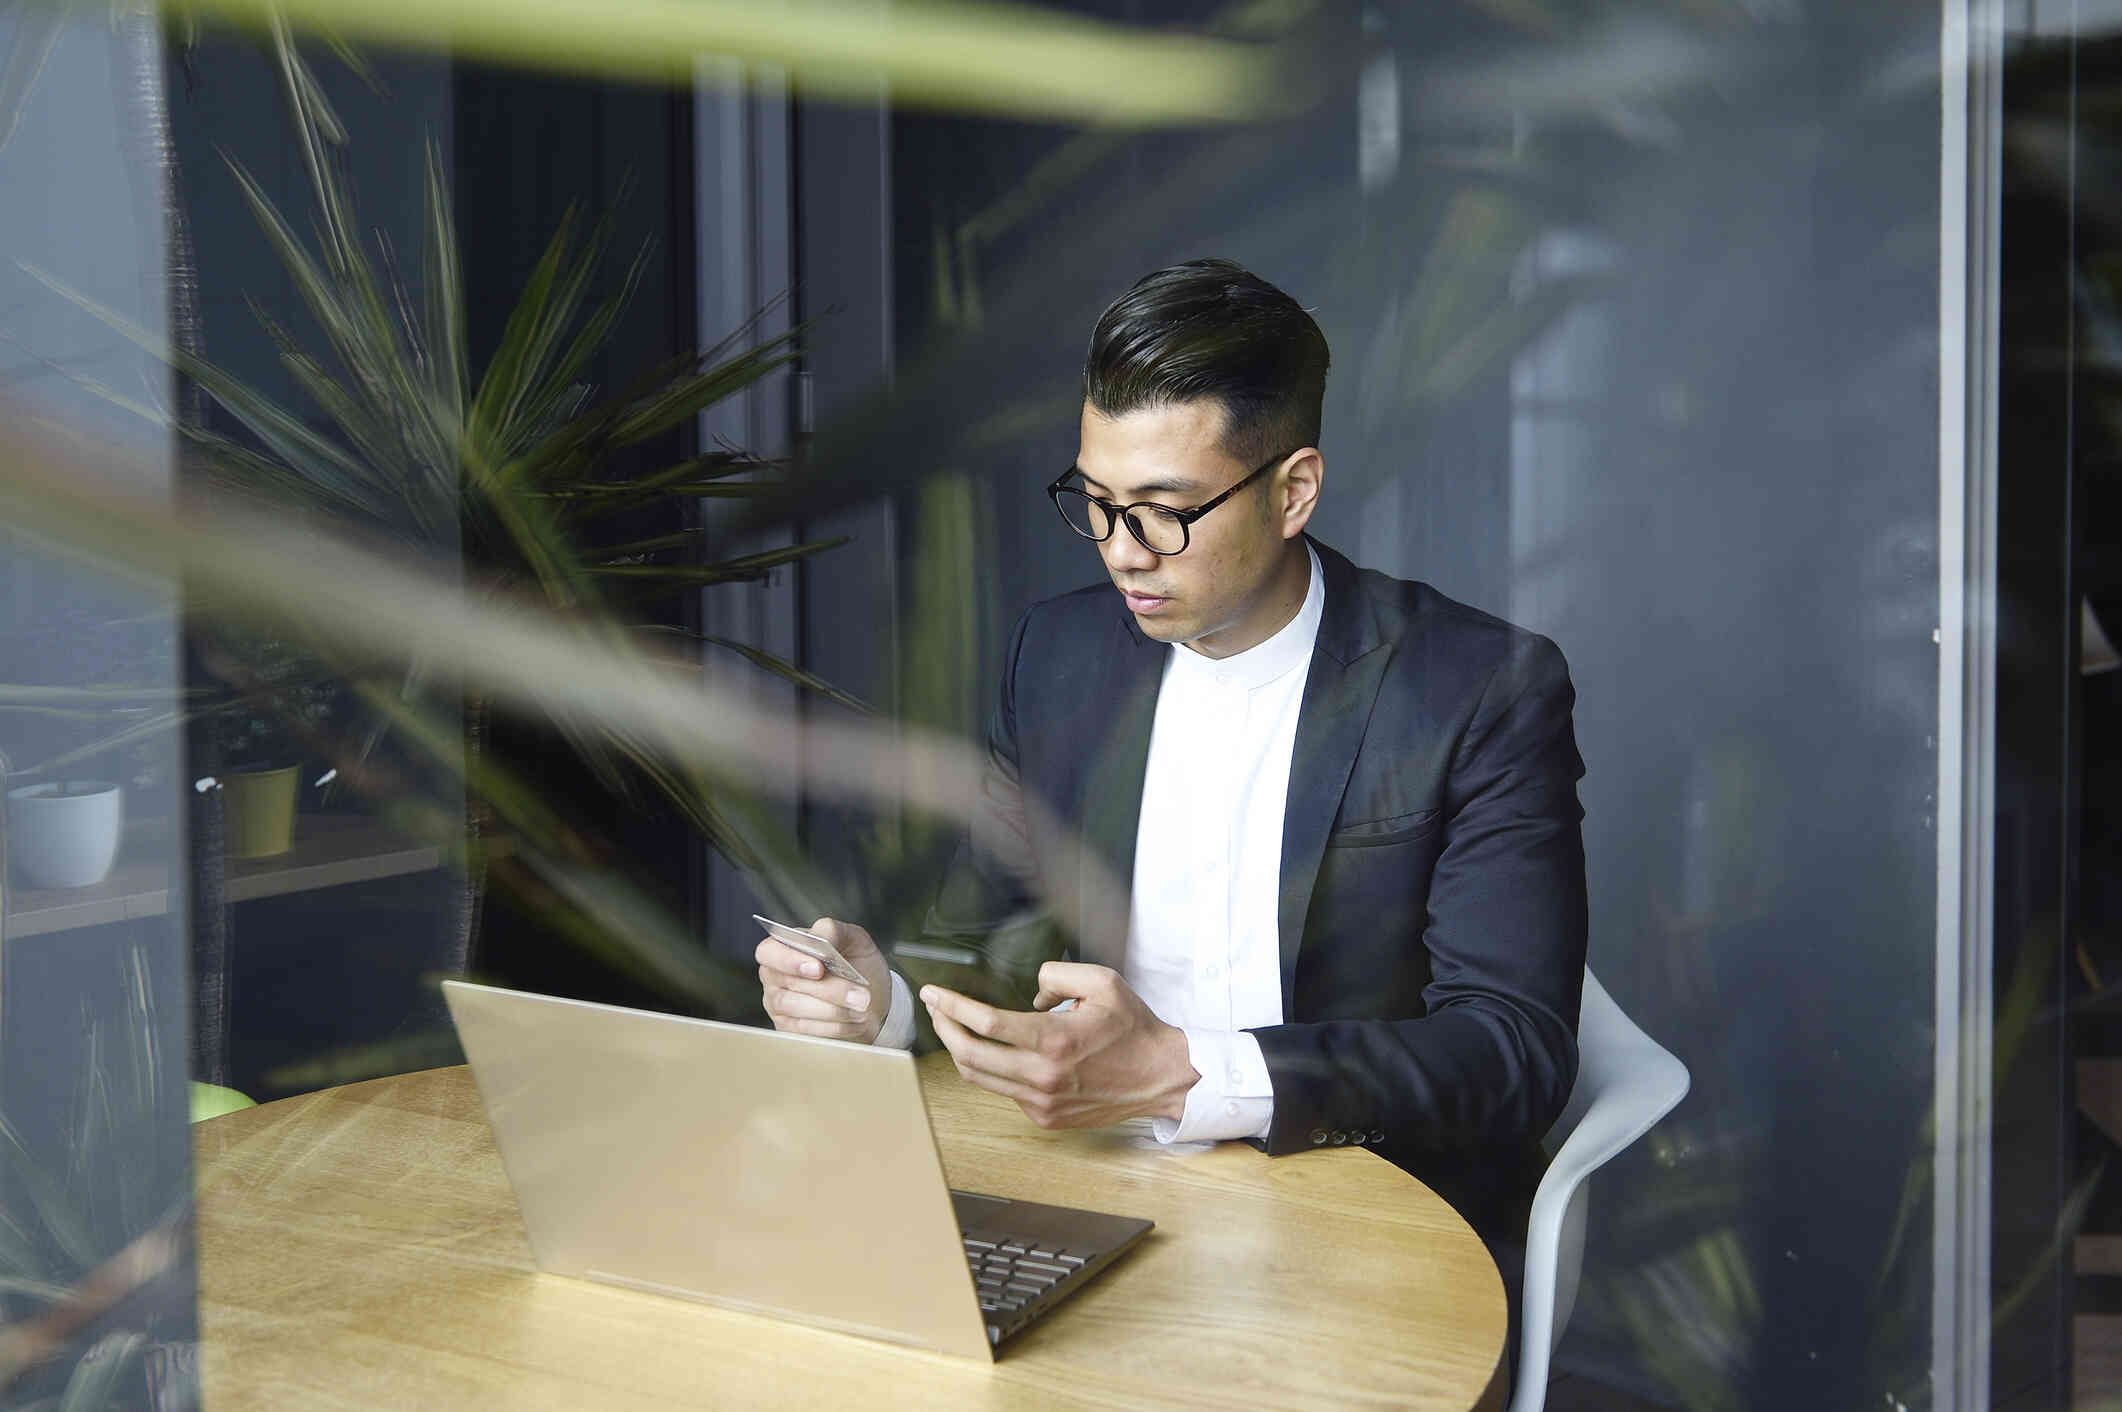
point(1110, 810)
point(1347, 665)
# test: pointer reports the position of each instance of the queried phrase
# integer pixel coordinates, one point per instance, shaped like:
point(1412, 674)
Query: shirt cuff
point(898, 1029)
point(1233, 1097)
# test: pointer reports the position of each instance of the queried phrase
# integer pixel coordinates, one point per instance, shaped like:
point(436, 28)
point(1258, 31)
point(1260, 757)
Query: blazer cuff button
point(1340, 1138)
point(1318, 1136)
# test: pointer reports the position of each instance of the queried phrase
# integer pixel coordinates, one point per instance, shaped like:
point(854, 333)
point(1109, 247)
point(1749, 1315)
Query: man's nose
point(1125, 552)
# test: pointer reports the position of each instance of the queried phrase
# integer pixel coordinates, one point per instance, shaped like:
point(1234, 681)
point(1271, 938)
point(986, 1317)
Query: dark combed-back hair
point(1212, 329)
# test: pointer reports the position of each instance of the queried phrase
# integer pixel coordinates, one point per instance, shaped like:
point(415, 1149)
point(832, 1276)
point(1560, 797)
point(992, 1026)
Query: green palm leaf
point(623, 925)
point(749, 566)
point(662, 397)
point(330, 469)
point(654, 544)
point(663, 410)
point(385, 410)
point(684, 479)
point(95, 1380)
point(51, 1199)
point(789, 672)
point(517, 803)
point(442, 281)
point(147, 729)
point(540, 319)
point(1004, 58)
point(36, 33)
point(97, 697)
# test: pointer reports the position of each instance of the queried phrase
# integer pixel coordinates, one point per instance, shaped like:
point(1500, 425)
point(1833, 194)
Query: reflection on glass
point(1637, 328)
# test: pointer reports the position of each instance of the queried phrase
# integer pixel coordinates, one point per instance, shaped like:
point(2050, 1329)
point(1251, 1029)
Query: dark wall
point(306, 996)
point(531, 151)
point(2056, 543)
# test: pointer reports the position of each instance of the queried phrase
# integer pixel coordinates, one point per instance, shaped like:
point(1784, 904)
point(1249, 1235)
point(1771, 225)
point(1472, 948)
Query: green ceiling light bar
point(997, 58)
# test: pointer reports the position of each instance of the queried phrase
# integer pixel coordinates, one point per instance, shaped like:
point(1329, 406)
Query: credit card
point(814, 946)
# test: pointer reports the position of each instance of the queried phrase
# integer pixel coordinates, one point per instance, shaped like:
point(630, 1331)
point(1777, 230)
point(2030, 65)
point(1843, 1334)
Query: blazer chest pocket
point(1376, 833)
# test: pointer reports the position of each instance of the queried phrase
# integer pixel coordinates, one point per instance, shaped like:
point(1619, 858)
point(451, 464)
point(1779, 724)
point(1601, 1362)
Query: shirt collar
point(1289, 649)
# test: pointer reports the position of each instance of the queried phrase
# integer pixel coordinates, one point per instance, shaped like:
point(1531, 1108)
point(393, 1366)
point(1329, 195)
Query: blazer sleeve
point(988, 932)
point(1494, 1058)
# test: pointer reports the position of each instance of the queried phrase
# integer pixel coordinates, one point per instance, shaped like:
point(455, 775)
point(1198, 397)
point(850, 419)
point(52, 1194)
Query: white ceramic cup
point(65, 834)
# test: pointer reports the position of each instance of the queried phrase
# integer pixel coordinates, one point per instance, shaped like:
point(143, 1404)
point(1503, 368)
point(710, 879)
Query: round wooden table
point(360, 1248)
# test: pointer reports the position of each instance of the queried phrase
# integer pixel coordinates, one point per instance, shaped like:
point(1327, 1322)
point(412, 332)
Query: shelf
point(330, 849)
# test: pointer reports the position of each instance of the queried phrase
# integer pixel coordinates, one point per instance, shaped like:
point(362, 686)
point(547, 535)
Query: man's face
point(1231, 587)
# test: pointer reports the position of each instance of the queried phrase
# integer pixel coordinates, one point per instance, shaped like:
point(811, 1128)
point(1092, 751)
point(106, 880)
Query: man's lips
point(1143, 602)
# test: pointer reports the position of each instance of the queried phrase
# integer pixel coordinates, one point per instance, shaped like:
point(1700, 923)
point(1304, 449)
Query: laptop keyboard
point(1012, 1274)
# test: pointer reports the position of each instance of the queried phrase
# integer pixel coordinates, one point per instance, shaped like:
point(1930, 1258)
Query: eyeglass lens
point(1162, 533)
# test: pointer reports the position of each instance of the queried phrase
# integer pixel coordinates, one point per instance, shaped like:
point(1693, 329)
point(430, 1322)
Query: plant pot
point(65, 834)
point(258, 812)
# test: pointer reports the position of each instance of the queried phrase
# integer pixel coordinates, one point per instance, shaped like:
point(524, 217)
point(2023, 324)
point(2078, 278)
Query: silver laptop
point(769, 1172)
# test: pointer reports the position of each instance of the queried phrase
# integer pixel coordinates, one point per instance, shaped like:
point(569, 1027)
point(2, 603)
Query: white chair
point(1626, 1082)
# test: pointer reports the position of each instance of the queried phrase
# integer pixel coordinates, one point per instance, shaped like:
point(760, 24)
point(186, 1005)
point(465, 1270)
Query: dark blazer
point(1432, 914)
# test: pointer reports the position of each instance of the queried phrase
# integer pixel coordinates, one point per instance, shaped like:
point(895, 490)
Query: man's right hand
point(800, 997)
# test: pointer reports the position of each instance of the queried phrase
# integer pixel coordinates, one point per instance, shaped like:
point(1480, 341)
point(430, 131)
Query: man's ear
point(1301, 481)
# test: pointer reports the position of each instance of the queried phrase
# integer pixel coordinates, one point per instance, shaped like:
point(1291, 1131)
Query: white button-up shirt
point(1203, 946)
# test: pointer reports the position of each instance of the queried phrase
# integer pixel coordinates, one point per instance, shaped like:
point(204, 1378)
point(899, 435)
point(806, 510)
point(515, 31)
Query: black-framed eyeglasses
point(1161, 529)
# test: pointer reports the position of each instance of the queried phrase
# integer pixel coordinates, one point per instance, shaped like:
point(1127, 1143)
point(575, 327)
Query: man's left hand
point(1105, 1059)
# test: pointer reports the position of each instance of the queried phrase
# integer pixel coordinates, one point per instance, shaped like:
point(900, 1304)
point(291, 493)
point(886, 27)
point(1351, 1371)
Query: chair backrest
point(1626, 1082)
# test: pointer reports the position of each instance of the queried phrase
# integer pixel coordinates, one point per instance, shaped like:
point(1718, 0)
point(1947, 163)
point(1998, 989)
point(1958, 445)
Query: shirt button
point(1214, 970)
point(1236, 1077)
point(1231, 1109)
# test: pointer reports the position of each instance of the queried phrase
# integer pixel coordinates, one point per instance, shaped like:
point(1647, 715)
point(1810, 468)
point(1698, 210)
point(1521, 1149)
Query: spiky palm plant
point(516, 464)
point(512, 465)
point(93, 1219)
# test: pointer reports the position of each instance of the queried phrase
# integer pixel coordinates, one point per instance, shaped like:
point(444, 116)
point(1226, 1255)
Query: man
point(1342, 807)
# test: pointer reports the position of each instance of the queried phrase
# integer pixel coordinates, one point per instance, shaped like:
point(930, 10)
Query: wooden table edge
point(1494, 1396)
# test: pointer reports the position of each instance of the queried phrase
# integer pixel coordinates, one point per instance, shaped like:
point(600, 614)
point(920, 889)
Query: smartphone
point(814, 946)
